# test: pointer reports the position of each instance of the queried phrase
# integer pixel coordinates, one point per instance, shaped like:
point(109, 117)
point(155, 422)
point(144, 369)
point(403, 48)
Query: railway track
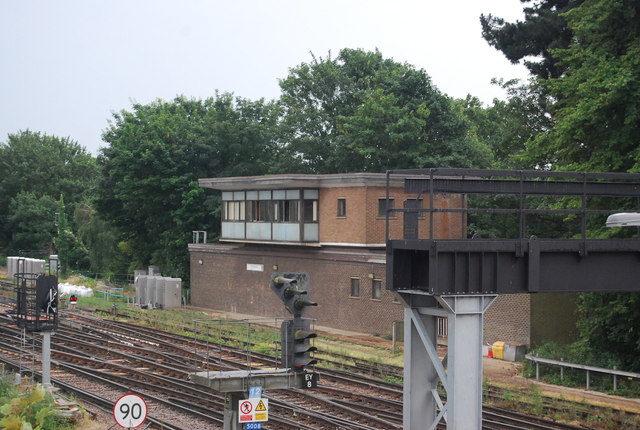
point(156, 364)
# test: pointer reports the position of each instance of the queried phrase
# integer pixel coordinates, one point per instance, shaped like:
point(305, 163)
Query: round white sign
point(130, 411)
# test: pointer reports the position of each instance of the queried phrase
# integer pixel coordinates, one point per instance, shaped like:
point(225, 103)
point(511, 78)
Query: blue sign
point(253, 426)
point(255, 392)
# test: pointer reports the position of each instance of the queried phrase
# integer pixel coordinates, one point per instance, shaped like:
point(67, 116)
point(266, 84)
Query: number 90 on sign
point(130, 411)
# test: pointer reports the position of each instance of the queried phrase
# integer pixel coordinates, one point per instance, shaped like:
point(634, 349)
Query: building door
point(410, 224)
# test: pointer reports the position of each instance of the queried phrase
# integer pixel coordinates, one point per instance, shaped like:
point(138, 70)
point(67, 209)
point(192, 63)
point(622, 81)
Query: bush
point(27, 407)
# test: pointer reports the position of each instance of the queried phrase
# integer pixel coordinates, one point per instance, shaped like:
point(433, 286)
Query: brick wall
point(507, 319)
point(363, 225)
point(350, 229)
point(223, 282)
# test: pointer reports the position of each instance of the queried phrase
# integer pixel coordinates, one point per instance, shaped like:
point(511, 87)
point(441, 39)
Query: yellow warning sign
point(260, 406)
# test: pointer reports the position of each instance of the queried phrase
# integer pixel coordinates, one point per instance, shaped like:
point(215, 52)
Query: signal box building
point(334, 228)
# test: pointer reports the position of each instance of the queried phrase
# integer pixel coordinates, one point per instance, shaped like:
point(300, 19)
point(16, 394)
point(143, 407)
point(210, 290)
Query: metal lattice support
point(461, 373)
point(36, 301)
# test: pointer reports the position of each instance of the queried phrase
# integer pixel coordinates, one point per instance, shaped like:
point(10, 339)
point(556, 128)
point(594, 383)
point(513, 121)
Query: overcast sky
point(66, 65)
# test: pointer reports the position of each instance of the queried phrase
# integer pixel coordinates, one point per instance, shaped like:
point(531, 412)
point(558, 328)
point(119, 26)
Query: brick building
point(334, 228)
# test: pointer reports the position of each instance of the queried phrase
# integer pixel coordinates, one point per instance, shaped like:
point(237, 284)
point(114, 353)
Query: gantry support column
point(462, 380)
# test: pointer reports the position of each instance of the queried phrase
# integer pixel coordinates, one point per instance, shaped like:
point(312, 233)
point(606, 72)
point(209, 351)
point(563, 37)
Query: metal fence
point(588, 369)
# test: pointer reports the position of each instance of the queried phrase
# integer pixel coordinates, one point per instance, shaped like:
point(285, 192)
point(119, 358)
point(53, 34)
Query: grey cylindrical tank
point(160, 289)
point(12, 267)
point(141, 289)
point(37, 266)
point(152, 287)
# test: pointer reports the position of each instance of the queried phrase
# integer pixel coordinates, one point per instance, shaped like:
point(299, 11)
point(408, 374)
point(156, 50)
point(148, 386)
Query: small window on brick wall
point(355, 287)
point(342, 208)
point(376, 289)
point(382, 207)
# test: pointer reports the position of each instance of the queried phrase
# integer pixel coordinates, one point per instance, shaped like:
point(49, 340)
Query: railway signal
point(296, 344)
point(292, 288)
point(296, 335)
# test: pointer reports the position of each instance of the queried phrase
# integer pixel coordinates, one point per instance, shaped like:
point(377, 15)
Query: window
point(342, 208)
point(310, 210)
point(355, 287)
point(260, 210)
point(376, 289)
point(382, 206)
point(287, 211)
point(233, 211)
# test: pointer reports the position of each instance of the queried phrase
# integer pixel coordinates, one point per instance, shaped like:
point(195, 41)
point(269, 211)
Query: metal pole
point(231, 401)
point(464, 359)
point(462, 380)
point(46, 359)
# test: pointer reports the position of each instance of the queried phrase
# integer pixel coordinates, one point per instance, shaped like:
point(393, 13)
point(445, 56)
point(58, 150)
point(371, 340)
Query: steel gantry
point(458, 279)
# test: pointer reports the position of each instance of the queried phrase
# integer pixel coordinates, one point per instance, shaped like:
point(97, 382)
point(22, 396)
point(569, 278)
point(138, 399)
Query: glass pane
point(382, 206)
point(311, 210)
point(342, 208)
point(355, 287)
point(376, 289)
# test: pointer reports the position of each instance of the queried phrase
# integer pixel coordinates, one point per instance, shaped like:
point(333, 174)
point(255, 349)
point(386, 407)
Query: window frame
point(375, 281)
point(381, 205)
point(355, 280)
point(341, 207)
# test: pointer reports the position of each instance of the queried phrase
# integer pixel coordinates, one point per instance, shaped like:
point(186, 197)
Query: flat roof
point(265, 182)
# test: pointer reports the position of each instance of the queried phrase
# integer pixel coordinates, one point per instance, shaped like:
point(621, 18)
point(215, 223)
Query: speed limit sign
point(130, 411)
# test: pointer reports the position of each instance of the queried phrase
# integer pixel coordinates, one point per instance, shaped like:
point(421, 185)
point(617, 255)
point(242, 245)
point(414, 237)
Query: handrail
point(614, 372)
point(109, 293)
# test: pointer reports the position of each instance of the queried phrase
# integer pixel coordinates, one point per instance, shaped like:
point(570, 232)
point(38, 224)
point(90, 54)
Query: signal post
point(243, 388)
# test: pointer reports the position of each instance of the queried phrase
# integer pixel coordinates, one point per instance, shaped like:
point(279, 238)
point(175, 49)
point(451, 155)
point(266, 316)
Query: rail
point(108, 291)
point(562, 364)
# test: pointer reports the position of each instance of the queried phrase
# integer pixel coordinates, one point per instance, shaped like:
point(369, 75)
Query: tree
point(102, 241)
point(510, 126)
point(156, 154)
point(543, 30)
point(597, 113)
point(608, 326)
point(42, 168)
point(362, 112)
point(32, 221)
point(73, 254)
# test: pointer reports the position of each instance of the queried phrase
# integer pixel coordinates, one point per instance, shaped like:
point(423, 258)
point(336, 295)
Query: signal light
point(290, 288)
point(296, 345)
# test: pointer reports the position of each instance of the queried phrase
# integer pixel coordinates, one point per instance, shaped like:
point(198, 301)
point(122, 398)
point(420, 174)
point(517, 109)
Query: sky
point(67, 65)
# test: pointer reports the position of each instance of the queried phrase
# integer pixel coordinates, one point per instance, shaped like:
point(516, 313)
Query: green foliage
point(157, 152)
point(597, 114)
point(105, 254)
point(362, 112)
point(31, 220)
point(73, 254)
point(609, 324)
point(27, 408)
point(544, 29)
point(582, 353)
point(37, 169)
point(508, 127)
